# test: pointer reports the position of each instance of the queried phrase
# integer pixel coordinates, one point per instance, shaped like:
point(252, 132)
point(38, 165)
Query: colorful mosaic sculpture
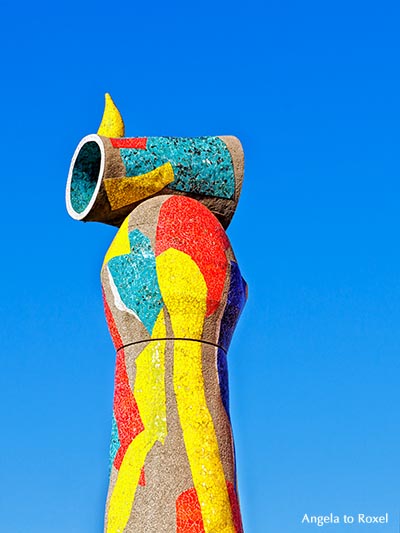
point(173, 294)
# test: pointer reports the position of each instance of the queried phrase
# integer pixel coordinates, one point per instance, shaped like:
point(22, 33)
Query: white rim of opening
point(71, 211)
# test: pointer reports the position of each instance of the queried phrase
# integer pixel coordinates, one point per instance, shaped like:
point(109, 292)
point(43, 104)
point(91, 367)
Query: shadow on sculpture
point(173, 294)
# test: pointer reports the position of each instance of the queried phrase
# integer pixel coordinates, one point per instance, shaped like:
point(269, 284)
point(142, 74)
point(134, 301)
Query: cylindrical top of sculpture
point(173, 293)
point(109, 177)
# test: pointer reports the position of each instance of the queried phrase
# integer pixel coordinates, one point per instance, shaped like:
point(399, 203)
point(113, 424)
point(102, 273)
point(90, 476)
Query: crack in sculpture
point(173, 294)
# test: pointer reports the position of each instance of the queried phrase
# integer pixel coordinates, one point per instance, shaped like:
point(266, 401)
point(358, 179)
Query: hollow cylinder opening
point(84, 177)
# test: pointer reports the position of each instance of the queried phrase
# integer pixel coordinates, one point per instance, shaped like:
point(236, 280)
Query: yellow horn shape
point(112, 124)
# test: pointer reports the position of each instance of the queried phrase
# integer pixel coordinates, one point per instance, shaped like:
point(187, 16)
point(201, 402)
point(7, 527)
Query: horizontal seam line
point(171, 339)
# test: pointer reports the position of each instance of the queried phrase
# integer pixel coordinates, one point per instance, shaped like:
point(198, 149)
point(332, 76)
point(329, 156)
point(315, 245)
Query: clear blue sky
point(312, 89)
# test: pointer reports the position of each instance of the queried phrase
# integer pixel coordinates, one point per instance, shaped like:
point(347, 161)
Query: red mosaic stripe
point(133, 142)
point(237, 519)
point(126, 410)
point(188, 511)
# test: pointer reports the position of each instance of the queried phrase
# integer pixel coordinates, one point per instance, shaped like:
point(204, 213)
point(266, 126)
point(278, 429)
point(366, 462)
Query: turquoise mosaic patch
point(85, 176)
point(202, 165)
point(115, 444)
point(135, 278)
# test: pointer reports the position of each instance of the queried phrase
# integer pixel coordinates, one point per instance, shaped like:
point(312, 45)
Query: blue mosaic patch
point(202, 165)
point(135, 278)
point(234, 306)
point(223, 378)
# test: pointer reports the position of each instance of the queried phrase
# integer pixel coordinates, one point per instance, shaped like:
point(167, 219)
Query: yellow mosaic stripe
point(112, 124)
point(120, 244)
point(149, 391)
point(184, 292)
point(125, 191)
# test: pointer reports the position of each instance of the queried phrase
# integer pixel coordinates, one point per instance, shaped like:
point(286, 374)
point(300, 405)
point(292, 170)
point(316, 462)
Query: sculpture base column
point(173, 294)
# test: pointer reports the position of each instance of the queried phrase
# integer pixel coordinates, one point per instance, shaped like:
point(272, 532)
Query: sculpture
point(173, 293)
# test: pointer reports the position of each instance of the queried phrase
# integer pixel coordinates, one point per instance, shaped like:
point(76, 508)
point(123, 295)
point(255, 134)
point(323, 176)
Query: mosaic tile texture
point(135, 279)
point(234, 306)
point(149, 392)
point(115, 444)
point(111, 124)
point(125, 191)
point(83, 183)
point(175, 277)
point(113, 175)
point(188, 513)
point(126, 413)
point(201, 165)
point(237, 296)
point(186, 225)
point(138, 143)
point(173, 294)
point(189, 518)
